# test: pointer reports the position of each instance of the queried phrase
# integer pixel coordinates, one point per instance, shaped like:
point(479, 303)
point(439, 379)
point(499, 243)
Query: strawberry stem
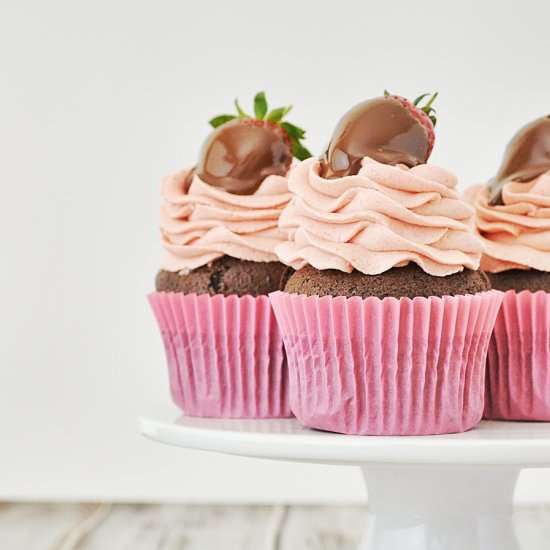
point(242, 114)
point(428, 107)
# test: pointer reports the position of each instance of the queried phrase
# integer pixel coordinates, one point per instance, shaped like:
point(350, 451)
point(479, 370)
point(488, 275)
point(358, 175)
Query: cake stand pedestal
point(447, 492)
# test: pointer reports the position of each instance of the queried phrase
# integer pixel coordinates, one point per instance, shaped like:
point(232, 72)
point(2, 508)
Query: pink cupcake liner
point(225, 355)
point(387, 367)
point(518, 362)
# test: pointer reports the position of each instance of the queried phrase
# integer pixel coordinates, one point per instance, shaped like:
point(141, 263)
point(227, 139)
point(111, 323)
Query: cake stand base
point(439, 508)
point(447, 492)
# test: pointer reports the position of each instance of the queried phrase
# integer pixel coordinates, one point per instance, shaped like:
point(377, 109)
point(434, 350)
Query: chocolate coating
point(227, 276)
point(526, 157)
point(381, 129)
point(238, 155)
point(409, 281)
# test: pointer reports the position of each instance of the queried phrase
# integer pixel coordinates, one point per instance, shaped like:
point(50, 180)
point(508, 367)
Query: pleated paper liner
point(225, 355)
point(518, 363)
point(386, 366)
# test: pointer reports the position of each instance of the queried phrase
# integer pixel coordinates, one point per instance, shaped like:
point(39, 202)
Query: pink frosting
point(384, 217)
point(203, 223)
point(516, 235)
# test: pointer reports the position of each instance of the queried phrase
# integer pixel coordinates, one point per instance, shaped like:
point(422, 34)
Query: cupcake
point(513, 219)
point(219, 227)
point(387, 319)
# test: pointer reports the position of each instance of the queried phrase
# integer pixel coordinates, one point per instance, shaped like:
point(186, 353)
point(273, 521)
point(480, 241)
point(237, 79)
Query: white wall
point(98, 100)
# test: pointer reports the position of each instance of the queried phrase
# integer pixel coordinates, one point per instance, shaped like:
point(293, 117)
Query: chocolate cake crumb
point(409, 281)
point(227, 276)
point(521, 279)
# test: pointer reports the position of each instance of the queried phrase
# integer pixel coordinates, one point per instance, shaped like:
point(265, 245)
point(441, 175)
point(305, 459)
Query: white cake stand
point(449, 492)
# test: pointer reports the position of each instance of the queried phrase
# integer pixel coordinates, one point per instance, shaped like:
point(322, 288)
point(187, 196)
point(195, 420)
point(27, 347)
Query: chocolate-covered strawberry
point(242, 150)
point(527, 157)
point(389, 129)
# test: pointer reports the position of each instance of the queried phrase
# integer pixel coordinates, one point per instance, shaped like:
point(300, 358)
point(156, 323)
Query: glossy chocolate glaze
point(381, 129)
point(238, 155)
point(526, 157)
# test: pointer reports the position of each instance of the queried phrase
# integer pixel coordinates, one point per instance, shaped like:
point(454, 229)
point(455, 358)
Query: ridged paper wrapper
point(518, 362)
point(225, 355)
point(387, 366)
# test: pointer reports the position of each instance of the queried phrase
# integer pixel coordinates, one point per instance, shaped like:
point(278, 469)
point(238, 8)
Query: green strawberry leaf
point(260, 105)
point(299, 151)
point(276, 115)
point(419, 99)
point(242, 114)
point(293, 131)
point(221, 119)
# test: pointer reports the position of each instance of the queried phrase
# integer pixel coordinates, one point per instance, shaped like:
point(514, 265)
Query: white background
point(98, 100)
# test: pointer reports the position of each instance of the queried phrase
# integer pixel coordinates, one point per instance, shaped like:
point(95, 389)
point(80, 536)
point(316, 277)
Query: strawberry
point(389, 129)
point(243, 150)
point(527, 156)
point(425, 115)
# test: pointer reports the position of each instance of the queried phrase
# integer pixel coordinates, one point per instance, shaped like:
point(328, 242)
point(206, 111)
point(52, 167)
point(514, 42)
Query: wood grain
point(183, 527)
point(178, 527)
point(39, 526)
point(323, 528)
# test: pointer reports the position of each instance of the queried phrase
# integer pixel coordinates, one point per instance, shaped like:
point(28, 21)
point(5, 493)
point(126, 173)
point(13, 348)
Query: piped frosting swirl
point(202, 223)
point(516, 233)
point(383, 217)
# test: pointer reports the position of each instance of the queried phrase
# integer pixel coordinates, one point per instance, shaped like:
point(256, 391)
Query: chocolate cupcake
point(373, 205)
point(219, 226)
point(513, 220)
point(387, 319)
point(228, 206)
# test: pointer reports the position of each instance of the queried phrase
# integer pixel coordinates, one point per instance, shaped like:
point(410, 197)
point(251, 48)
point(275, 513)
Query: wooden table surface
point(186, 527)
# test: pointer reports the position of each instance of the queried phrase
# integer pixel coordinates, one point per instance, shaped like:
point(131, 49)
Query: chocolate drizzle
point(526, 157)
point(238, 156)
point(381, 129)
